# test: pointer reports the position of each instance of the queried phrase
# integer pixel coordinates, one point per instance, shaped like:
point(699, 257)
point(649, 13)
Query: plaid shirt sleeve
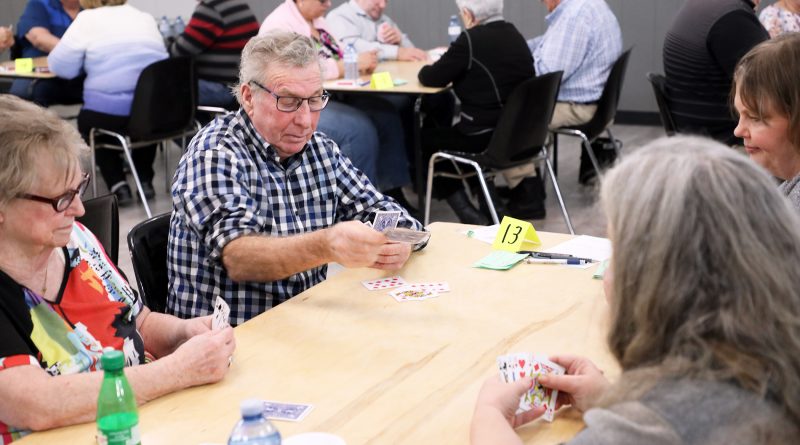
point(216, 198)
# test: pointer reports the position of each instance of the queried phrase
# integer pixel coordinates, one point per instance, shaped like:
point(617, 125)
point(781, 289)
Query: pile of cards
point(524, 364)
point(403, 291)
point(386, 222)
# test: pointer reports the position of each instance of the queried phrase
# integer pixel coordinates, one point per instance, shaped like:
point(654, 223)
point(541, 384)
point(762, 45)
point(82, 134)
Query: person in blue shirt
point(39, 30)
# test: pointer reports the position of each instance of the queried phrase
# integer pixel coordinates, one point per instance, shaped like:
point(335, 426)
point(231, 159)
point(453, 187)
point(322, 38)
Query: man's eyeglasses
point(290, 104)
point(62, 202)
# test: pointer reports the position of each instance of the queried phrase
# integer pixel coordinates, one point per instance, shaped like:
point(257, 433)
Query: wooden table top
point(7, 69)
point(383, 372)
point(399, 70)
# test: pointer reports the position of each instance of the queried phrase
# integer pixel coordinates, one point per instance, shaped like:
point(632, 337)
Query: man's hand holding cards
point(386, 222)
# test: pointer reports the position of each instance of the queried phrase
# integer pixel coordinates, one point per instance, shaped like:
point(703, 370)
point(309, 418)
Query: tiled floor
point(580, 201)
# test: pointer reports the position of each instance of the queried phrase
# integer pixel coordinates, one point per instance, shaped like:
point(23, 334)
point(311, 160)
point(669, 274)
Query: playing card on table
point(403, 294)
point(293, 412)
point(384, 283)
point(410, 236)
point(438, 286)
point(220, 319)
point(385, 220)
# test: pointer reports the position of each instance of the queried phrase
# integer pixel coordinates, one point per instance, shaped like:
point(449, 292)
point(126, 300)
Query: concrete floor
point(580, 201)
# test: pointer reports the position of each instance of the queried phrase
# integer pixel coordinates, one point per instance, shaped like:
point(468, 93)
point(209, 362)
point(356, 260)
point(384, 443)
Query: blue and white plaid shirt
point(231, 183)
point(583, 39)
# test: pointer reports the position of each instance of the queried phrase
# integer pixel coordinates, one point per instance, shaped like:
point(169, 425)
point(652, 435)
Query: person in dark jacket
point(487, 61)
point(701, 49)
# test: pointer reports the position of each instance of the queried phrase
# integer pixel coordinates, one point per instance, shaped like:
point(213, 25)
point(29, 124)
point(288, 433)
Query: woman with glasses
point(61, 299)
point(368, 128)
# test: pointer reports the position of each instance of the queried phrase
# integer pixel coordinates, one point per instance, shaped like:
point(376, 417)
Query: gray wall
point(644, 24)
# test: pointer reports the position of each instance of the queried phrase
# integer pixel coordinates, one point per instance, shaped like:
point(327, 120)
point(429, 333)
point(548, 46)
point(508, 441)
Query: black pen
point(554, 256)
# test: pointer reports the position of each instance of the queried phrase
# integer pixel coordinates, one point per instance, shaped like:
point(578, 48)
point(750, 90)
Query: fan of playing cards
point(523, 364)
point(386, 222)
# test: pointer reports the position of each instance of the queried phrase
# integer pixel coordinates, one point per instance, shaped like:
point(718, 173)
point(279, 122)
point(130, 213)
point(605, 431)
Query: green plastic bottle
point(117, 416)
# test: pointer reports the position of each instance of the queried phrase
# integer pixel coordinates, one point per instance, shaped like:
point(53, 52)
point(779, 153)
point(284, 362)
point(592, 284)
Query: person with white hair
point(704, 310)
point(485, 63)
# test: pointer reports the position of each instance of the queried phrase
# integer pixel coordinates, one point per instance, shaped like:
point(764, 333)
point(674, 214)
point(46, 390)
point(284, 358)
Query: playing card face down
point(384, 283)
point(293, 412)
point(385, 220)
point(519, 365)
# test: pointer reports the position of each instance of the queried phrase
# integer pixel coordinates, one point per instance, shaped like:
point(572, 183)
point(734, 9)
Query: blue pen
point(570, 261)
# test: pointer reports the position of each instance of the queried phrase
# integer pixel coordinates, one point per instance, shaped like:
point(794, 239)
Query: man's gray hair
point(30, 133)
point(482, 9)
point(283, 48)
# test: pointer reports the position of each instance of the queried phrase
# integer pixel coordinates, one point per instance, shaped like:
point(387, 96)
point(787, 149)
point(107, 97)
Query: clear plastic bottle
point(178, 26)
point(117, 416)
point(254, 428)
point(454, 28)
point(350, 62)
point(164, 27)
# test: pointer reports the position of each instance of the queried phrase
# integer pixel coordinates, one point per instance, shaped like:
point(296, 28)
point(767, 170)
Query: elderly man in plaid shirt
point(262, 202)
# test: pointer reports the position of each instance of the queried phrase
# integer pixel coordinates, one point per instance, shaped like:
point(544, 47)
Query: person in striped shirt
point(215, 36)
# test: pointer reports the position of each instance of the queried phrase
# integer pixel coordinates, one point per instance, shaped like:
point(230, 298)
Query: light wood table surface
point(399, 70)
point(7, 69)
point(382, 372)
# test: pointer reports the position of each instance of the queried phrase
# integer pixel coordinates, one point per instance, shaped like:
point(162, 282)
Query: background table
point(407, 71)
point(7, 70)
point(383, 372)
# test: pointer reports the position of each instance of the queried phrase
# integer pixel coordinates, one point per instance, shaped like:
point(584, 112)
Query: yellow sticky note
point(381, 81)
point(23, 65)
point(513, 233)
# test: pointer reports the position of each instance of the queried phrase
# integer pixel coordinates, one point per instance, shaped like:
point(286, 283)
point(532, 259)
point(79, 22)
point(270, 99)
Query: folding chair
point(147, 242)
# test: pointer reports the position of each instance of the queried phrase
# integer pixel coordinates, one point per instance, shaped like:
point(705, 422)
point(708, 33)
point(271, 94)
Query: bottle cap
point(251, 407)
point(112, 360)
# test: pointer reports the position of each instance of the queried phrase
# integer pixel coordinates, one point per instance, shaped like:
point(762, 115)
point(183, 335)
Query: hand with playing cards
point(204, 358)
point(582, 384)
point(495, 417)
point(353, 244)
point(392, 256)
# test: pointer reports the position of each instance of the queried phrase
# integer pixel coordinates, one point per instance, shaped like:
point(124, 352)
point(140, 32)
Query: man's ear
point(247, 98)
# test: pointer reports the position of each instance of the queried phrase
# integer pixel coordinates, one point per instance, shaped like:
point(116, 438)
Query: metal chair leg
point(485, 189)
point(94, 164)
point(429, 188)
point(588, 147)
point(135, 174)
point(557, 189)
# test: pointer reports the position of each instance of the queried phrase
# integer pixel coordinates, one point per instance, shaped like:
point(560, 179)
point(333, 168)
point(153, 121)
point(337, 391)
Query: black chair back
point(523, 126)
point(607, 105)
point(147, 242)
point(164, 101)
point(659, 84)
point(102, 219)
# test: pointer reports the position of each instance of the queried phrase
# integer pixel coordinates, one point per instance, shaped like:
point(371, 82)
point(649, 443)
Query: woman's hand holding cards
point(580, 386)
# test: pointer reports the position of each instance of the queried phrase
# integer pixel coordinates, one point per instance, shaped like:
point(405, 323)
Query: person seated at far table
point(112, 42)
point(6, 38)
point(215, 37)
point(705, 322)
point(62, 301)
point(262, 202)
point(781, 17)
point(767, 99)
point(482, 78)
point(363, 23)
point(38, 31)
point(366, 127)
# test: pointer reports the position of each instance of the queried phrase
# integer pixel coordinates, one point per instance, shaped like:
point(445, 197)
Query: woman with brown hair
point(704, 309)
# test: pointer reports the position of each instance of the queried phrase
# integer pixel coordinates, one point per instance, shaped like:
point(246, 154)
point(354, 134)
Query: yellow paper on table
point(23, 65)
point(381, 81)
point(513, 233)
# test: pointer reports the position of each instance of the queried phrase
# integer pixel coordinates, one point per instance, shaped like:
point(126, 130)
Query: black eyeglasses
point(290, 104)
point(61, 202)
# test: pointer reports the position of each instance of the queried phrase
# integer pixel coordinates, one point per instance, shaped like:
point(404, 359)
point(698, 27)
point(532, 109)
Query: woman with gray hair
point(485, 63)
point(62, 301)
point(704, 309)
